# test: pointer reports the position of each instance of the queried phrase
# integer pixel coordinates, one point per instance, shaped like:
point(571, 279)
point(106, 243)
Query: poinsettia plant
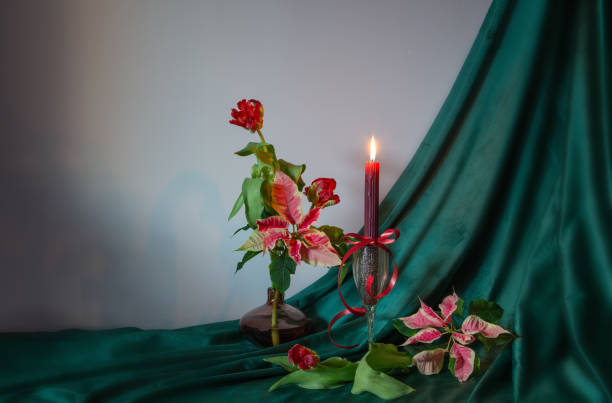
point(272, 199)
point(428, 326)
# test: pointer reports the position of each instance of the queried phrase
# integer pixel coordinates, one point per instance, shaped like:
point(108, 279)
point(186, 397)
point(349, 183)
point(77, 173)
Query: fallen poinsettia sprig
point(370, 374)
point(427, 326)
point(373, 372)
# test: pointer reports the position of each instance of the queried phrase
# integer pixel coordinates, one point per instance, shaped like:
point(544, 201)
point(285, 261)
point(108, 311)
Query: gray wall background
point(116, 164)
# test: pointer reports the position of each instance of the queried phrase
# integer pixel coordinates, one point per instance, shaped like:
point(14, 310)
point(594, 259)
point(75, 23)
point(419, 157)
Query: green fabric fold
point(509, 198)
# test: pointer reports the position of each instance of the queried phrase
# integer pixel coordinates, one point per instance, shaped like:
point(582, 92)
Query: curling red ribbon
point(358, 242)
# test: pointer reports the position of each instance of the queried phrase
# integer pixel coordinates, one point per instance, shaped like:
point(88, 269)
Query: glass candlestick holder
point(370, 261)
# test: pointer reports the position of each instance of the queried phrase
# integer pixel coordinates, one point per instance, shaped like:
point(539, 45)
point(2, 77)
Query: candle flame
point(372, 149)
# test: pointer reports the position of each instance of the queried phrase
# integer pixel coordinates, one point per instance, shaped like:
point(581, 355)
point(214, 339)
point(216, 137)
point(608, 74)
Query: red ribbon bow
point(358, 242)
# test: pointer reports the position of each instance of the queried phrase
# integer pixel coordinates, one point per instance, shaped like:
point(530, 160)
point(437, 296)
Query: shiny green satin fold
point(508, 198)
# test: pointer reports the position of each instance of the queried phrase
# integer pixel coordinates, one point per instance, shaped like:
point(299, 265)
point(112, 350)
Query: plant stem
point(261, 136)
point(274, 329)
point(449, 342)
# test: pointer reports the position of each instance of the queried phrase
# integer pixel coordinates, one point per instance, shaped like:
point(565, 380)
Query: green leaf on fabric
point(293, 171)
point(249, 149)
point(281, 269)
point(459, 310)
point(385, 357)
point(254, 243)
point(246, 227)
point(237, 206)
point(487, 310)
point(500, 340)
point(320, 377)
point(335, 362)
point(367, 379)
point(283, 361)
point(403, 329)
point(451, 365)
point(247, 256)
point(253, 202)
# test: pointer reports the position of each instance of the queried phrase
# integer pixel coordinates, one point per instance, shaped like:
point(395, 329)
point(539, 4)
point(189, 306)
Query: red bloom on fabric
point(321, 192)
point(303, 357)
point(248, 115)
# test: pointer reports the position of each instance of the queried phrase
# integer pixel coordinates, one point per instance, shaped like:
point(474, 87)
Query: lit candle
point(372, 168)
point(370, 230)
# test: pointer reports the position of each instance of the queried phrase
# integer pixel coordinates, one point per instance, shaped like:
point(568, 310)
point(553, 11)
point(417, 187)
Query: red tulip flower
point(248, 115)
point(321, 192)
point(303, 357)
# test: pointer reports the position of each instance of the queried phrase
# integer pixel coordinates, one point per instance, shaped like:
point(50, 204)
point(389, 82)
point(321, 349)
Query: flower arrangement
point(272, 200)
point(376, 371)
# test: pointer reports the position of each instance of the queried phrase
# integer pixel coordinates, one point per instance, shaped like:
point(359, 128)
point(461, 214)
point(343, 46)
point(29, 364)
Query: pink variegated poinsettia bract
point(431, 326)
point(293, 228)
point(303, 241)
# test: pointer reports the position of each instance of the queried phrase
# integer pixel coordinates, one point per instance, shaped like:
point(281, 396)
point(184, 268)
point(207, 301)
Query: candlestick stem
point(370, 314)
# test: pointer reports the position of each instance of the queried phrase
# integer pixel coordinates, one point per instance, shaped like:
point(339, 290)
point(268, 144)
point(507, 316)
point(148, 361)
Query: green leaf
point(476, 371)
point(382, 385)
point(344, 271)
point(320, 377)
point(265, 154)
point(267, 173)
point(487, 310)
point(281, 269)
point(336, 237)
point(341, 248)
point(283, 361)
point(255, 171)
point(293, 171)
point(254, 243)
point(500, 340)
point(459, 310)
point(253, 202)
point(247, 256)
point(263, 151)
point(451, 365)
point(384, 357)
point(403, 329)
point(246, 227)
point(250, 148)
point(335, 234)
point(264, 171)
point(237, 206)
point(335, 362)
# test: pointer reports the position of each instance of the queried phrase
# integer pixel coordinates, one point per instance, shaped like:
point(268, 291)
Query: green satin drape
point(508, 198)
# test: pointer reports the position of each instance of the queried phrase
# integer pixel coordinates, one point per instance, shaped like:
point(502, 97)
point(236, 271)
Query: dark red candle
point(372, 169)
point(370, 230)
